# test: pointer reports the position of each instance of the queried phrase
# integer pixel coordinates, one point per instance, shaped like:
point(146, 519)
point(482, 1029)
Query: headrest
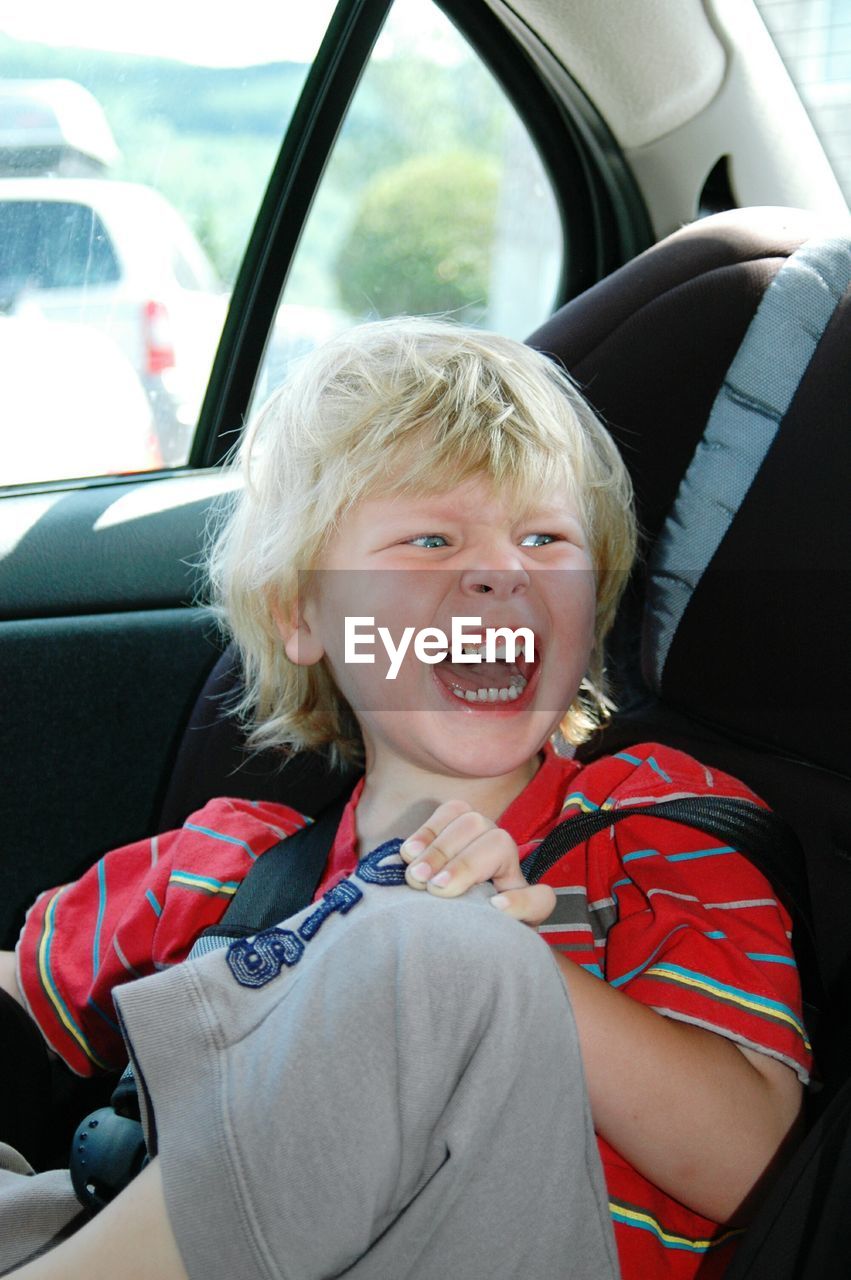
point(213, 760)
point(720, 361)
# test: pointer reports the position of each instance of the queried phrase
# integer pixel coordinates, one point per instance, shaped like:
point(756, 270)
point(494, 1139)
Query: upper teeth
point(500, 649)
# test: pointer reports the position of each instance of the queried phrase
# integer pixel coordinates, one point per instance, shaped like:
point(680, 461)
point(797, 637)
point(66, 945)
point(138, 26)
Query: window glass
point(434, 201)
point(814, 40)
point(52, 245)
point(183, 272)
point(136, 143)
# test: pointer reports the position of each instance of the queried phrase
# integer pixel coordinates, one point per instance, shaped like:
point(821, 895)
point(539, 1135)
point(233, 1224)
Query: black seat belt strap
point(761, 835)
point(284, 879)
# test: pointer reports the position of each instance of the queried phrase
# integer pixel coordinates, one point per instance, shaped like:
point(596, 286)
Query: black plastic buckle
point(107, 1152)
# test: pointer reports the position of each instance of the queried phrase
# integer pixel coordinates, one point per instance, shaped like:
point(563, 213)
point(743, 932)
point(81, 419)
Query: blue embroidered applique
point(258, 960)
point(341, 898)
point(372, 871)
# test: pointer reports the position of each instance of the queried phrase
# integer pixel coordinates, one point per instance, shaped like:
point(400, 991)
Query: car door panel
point(103, 649)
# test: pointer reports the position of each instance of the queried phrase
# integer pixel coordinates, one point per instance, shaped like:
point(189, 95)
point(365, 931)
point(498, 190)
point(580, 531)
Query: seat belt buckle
point(107, 1151)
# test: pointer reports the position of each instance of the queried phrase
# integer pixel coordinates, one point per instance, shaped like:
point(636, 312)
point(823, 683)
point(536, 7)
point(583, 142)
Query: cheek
point(591, 613)
point(333, 604)
point(577, 617)
point(580, 603)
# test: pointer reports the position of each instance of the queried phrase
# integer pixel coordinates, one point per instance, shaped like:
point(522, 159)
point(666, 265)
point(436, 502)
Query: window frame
point(331, 82)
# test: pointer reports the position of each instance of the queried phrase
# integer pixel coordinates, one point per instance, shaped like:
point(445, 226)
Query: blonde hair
point(392, 407)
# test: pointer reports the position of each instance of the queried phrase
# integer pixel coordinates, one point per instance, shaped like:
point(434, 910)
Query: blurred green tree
point(421, 238)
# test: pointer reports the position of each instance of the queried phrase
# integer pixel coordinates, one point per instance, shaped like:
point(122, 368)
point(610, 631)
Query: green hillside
point(206, 137)
point(250, 100)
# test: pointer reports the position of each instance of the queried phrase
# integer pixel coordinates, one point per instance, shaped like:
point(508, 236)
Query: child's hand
point(457, 848)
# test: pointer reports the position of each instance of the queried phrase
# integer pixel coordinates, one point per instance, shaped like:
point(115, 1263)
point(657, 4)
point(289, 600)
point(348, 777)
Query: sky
point(184, 29)
point(190, 30)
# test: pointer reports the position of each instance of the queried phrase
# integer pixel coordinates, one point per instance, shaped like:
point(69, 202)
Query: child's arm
point(696, 1114)
point(693, 1112)
point(138, 909)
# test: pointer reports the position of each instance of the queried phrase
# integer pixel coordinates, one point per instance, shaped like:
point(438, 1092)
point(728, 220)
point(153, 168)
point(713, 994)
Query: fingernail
point(499, 901)
point(441, 880)
point(414, 845)
point(422, 872)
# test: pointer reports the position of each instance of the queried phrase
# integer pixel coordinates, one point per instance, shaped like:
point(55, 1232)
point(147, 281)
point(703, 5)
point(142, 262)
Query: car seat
point(213, 760)
point(748, 667)
point(734, 646)
point(733, 640)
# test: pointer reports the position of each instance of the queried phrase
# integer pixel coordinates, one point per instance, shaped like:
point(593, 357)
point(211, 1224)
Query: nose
point(501, 580)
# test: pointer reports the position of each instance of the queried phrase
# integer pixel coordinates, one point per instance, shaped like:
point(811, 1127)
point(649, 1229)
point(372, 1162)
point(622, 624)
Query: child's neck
point(394, 802)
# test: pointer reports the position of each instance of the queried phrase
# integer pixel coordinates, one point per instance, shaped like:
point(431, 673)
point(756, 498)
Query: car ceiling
point(682, 84)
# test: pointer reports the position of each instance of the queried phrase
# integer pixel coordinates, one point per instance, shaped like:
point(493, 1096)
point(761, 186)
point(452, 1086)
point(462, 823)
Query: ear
point(301, 642)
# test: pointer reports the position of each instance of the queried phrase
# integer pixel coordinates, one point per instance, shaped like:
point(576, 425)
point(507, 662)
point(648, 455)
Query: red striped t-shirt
point(663, 912)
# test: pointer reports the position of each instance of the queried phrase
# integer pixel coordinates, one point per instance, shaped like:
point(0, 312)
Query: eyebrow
point(547, 511)
point(427, 507)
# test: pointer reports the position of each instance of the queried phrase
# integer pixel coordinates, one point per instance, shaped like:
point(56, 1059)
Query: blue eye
point(526, 541)
point(428, 539)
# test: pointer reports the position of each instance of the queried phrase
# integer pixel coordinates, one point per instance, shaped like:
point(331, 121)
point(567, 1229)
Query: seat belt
point(280, 882)
point(761, 835)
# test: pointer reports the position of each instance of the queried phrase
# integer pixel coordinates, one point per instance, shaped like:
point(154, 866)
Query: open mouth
point(500, 682)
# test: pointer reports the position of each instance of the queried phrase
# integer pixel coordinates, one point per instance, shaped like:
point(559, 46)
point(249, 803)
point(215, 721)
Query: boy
point(422, 473)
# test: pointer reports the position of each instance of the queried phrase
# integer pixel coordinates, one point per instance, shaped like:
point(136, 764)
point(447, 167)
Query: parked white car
point(70, 404)
point(118, 257)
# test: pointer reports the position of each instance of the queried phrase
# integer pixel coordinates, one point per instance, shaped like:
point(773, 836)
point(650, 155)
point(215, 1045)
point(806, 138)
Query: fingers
point(532, 905)
point(425, 840)
point(457, 848)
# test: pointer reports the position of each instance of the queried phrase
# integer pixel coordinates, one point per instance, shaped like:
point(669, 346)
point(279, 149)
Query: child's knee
point(461, 949)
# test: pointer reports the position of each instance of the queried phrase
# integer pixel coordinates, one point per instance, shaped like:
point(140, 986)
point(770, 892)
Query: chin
point(480, 753)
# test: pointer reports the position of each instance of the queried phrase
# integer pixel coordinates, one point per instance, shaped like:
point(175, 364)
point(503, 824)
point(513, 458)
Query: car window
point(434, 201)
point(814, 40)
point(135, 149)
point(183, 271)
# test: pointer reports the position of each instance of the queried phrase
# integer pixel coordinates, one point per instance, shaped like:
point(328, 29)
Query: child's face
point(419, 562)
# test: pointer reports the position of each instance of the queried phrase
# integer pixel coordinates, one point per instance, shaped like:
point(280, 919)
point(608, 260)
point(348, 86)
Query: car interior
point(689, 179)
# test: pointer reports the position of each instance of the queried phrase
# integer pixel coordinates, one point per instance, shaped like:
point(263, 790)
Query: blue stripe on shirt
point(219, 835)
point(640, 853)
point(100, 915)
point(110, 1022)
point(700, 853)
point(639, 968)
point(657, 768)
point(767, 958)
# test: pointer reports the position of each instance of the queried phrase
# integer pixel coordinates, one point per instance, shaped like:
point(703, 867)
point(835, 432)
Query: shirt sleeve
point(700, 934)
point(139, 909)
